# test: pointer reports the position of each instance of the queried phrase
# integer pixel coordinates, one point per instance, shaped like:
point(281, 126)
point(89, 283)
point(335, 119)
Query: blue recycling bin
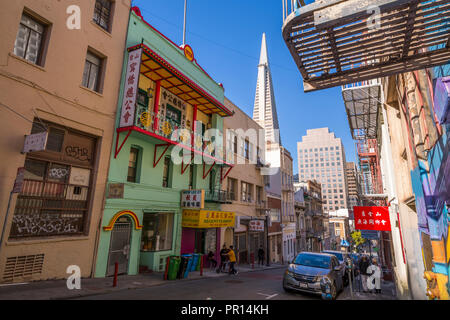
point(195, 259)
point(189, 264)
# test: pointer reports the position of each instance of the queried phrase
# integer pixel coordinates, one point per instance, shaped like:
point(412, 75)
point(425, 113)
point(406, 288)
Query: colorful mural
point(430, 182)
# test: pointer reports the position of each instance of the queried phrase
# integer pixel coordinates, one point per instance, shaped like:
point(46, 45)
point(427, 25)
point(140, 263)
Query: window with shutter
point(29, 39)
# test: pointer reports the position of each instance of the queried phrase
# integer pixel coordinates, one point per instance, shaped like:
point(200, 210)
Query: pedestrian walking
point(212, 261)
point(374, 271)
point(261, 256)
point(363, 265)
point(223, 259)
point(232, 258)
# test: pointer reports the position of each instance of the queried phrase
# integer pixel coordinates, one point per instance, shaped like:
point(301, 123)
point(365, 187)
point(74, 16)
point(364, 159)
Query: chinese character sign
point(35, 142)
point(194, 199)
point(130, 88)
point(256, 225)
point(372, 218)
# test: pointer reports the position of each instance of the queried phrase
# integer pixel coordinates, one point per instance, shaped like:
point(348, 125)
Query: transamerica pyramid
point(265, 110)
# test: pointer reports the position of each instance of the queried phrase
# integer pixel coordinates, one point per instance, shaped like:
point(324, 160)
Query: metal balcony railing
point(172, 130)
point(339, 42)
point(220, 196)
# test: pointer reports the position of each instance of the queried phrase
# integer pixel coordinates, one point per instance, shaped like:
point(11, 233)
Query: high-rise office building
point(280, 159)
point(354, 190)
point(321, 157)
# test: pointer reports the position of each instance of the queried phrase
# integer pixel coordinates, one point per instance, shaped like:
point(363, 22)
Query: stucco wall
point(53, 92)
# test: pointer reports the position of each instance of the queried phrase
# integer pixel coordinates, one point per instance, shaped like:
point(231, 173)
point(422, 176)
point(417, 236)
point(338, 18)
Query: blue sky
point(226, 39)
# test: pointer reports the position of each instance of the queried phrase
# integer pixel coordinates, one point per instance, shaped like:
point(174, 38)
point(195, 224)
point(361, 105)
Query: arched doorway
point(228, 239)
point(119, 248)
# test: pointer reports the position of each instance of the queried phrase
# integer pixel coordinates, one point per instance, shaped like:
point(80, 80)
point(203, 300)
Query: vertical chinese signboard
point(372, 218)
point(131, 88)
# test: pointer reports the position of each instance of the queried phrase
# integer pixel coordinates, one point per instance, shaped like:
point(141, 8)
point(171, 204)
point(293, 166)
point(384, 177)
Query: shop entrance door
point(199, 246)
point(119, 248)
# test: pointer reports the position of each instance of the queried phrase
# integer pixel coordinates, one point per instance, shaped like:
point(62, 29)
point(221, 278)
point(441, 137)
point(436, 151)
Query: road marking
point(268, 296)
point(13, 284)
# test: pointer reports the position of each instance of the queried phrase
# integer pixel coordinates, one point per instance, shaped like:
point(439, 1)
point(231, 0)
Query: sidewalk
point(388, 292)
point(57, 289)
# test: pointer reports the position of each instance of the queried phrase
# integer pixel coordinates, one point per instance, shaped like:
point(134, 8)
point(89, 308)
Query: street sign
point(18, 184)
point(256, 225)
point(344, 243)
point(372, 218)
point(35, 142)
point(193, 199)
point(369, 234)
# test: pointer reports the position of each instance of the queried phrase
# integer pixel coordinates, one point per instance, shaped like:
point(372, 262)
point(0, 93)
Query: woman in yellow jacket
point(232, 257)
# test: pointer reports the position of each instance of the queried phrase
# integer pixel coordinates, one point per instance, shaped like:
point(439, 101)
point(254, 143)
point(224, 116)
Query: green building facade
point(142, 218)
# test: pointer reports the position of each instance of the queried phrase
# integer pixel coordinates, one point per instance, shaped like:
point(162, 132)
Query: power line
point(14, 111)
point(214, 42)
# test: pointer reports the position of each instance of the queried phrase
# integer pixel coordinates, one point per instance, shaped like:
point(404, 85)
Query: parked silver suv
point(317, 273)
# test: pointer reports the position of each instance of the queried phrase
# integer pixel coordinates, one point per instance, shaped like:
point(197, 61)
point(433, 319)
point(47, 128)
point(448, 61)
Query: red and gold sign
point(372, 218)
point(207, 219)
point(189, 53)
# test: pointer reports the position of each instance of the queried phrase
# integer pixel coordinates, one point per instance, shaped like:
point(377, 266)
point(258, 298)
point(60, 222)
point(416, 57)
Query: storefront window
point(157, 232)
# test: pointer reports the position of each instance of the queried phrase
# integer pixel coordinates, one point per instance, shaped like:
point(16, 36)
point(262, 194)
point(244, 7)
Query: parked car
point(343, 258)
point(315, 273)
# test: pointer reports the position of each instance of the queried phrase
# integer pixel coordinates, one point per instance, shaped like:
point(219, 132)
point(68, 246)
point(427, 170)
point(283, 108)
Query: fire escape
point(339, 42)
point(363, 106)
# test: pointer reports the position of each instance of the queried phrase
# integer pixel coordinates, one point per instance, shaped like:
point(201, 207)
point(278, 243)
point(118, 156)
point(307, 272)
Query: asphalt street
point(258, 285)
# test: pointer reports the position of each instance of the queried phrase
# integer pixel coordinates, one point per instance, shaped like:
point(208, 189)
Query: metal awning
point(362, 104)
point(156, 68)
point(336, 42)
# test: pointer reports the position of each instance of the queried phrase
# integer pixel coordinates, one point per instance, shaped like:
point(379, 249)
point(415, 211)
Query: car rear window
point(313, 260)
point(338, 255)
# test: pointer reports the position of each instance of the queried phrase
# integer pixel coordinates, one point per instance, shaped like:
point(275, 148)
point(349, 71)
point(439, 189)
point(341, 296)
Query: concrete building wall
point(245, 171)
point(408, 219)
point(52, 91)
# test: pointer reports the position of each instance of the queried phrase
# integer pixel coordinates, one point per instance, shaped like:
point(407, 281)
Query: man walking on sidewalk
point(232, 258)
point(261, 256)
point(223, 258)
point(363, 265)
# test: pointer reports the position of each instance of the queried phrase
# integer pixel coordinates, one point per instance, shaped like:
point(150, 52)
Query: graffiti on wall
point(35, 225)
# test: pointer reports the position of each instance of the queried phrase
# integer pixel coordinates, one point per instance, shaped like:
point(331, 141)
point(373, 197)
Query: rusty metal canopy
point(362, 104)
point(335, 42)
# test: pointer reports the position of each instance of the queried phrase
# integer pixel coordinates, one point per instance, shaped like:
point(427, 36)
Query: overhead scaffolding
point(339, 42)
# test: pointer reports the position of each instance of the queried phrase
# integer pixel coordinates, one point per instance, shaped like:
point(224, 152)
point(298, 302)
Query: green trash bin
point(199, 262)
point(174, 265)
